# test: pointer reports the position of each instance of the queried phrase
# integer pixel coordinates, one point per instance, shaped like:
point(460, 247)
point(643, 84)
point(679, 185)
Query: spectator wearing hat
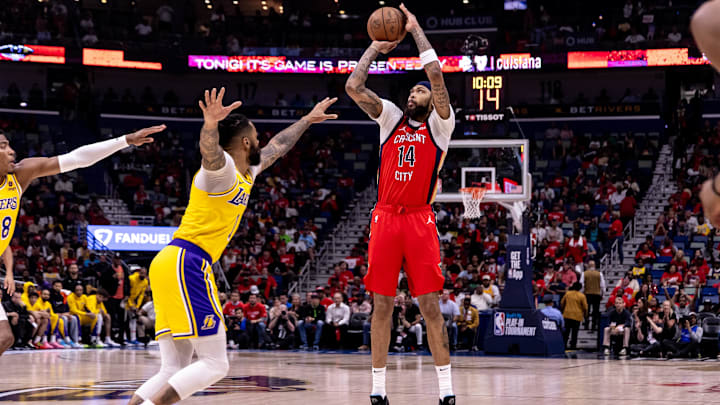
point(553, 313)
point(492, 290)
point(312, 316)
point(575, 310)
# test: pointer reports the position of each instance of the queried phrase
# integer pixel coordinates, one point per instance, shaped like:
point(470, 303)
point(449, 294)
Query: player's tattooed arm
point(440, 96)
point(286, 139)
point(213, 157)
point(365, 98)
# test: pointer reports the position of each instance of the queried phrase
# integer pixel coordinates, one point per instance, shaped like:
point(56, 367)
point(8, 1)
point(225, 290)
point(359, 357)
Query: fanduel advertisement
point(134, 238)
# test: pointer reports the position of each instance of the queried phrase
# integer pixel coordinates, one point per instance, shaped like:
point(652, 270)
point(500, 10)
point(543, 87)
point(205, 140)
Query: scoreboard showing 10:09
point(488, 93)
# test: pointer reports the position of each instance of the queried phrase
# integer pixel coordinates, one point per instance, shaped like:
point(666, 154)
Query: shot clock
point(490, 89)
point(488, 93)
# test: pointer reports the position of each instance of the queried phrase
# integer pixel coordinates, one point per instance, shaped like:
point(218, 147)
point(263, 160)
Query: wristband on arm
point(428, 57)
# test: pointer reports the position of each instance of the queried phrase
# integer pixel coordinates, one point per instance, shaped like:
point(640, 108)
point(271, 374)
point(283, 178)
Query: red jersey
point(411, 155)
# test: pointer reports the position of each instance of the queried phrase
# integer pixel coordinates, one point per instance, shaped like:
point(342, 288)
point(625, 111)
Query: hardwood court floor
point(295, 378)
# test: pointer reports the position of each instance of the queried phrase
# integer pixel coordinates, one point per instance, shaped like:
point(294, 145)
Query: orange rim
point(478, 193)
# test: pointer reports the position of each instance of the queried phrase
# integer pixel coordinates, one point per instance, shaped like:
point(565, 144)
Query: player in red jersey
point(413, 144)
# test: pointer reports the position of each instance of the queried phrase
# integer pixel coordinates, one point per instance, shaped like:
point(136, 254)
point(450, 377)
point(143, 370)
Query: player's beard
point(418, 113)
point(254, 156)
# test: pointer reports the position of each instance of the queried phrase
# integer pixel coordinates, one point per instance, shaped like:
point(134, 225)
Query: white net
point(472, 197)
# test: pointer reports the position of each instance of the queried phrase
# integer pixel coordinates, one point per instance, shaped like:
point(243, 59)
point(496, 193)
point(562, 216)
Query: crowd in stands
point(619, 25)
point(338, 28)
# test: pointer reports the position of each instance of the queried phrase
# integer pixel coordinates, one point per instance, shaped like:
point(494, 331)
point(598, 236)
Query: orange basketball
point(386, 24)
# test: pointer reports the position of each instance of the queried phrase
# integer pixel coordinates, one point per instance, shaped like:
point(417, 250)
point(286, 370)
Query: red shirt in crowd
point(616, 229)
point(577, 249)
point(254, 312)
point(645, 255)
point(667, 252)
point(681, 265)
point(556, 216)
point(627, 206)
point(326, 302)
point(288, 259)
point(229, 308)
point(674, 278)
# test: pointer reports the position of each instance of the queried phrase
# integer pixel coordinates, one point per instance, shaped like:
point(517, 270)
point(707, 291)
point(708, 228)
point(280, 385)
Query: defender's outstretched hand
point(142, 136)
point(318, 112)
point(213, 109)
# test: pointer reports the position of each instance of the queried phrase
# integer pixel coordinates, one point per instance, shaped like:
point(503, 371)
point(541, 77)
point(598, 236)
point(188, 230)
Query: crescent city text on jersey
point(400, 138)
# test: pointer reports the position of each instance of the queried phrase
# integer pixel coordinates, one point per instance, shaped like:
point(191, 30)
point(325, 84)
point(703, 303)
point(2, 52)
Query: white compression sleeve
point(217, 181)
point(212, 365)
point(88, 155)
point(174, 356)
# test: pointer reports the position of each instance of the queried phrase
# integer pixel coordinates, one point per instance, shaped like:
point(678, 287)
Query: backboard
point(501, 165)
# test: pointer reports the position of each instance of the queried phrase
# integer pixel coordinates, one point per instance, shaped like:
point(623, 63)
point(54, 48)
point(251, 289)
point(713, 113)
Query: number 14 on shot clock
point(490, 92)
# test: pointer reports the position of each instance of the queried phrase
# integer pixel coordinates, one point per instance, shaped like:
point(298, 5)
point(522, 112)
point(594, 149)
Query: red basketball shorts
point(403, 237)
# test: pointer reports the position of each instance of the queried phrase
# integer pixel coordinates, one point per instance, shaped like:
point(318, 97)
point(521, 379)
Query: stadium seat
point(709, 292)
point(355, 329)
point(680, 240)
point(711, 334)
point(663, 259)
point(657, 274)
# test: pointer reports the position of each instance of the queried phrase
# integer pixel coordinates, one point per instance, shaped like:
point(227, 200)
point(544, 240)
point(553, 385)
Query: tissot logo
point(119, 390)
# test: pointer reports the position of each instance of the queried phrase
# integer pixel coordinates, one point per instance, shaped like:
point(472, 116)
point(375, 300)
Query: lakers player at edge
point(413, 144)
point(16, 177)
point(188, 316)
point(705, 26)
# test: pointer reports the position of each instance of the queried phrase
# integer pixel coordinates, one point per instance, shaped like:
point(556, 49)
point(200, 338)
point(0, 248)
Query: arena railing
point(329, 246)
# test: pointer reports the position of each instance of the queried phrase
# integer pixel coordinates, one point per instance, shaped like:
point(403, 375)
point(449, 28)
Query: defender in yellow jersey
point(187, 310)
point(16, 177)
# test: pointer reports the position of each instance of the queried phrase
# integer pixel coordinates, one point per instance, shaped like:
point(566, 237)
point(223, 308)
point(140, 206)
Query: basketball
point(386, 24)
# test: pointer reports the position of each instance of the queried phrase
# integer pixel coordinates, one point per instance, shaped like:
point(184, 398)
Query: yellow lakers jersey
point(9, 206)
point(211, 219)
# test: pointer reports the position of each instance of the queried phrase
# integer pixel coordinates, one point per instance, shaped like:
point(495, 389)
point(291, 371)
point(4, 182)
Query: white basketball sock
point(378, 387)
point(444, 381)
point(147, 402)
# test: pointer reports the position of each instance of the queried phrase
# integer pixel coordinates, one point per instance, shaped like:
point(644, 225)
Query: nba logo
point(499, 327)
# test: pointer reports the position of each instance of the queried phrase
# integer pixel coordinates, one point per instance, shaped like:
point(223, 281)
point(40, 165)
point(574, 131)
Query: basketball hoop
point(472, 198)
